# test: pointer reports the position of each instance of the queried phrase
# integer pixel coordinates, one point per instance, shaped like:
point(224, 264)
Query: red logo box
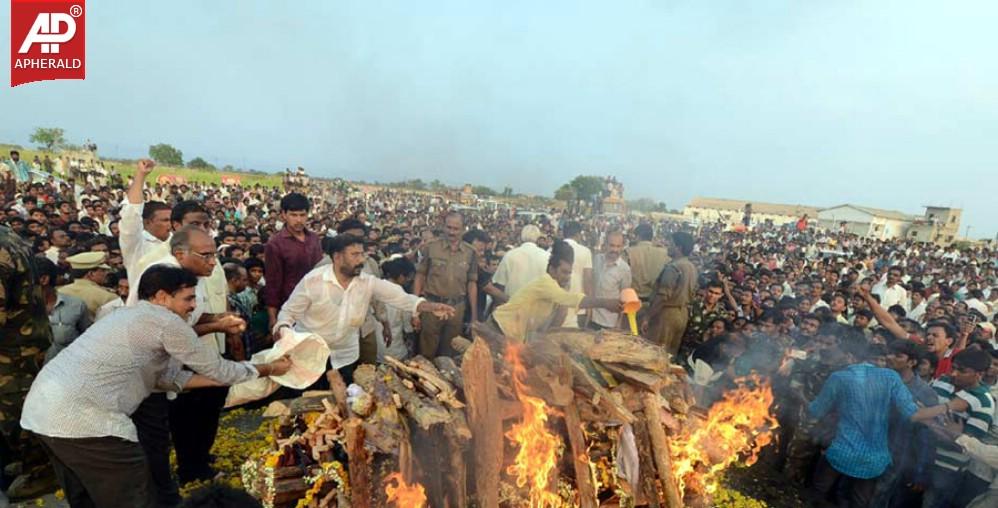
point(47, 40)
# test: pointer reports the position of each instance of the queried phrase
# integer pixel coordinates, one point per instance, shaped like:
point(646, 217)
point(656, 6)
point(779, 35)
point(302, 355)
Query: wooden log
point(359, 462)
point(339, 389)
point(424, 411)
point(660, 450)
point(385, 427)
point(580, 460)
point(643, 378)
point(460, 344)
point(449, 370)
point(636, 352)
point(606, 400)
point(456, 477)
point(485, 421)
point(294, 407)
point(645, 493)
point(431, 380)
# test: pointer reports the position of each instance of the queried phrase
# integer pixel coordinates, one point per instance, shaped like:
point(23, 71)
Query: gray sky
point(891, 104)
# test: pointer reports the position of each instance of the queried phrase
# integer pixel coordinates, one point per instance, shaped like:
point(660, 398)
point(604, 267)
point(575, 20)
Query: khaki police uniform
point(447, 272)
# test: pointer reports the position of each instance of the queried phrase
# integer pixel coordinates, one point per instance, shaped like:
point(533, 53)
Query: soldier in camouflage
point(25, 335)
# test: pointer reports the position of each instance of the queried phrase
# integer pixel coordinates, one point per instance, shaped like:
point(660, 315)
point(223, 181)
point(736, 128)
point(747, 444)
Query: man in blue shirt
point(911, 445)
point(862, 395)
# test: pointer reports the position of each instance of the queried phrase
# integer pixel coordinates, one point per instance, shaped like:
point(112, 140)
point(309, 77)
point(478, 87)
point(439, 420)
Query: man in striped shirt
point(969, 401)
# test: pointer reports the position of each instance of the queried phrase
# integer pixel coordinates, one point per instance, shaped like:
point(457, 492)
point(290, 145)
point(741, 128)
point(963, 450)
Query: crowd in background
point(882, 354)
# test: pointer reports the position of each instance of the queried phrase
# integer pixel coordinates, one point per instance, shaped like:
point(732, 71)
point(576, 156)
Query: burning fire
point(404, 495)
point(537, 456)
point(737, 425)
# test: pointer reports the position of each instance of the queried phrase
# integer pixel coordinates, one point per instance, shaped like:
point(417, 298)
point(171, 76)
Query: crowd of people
point(128, 307)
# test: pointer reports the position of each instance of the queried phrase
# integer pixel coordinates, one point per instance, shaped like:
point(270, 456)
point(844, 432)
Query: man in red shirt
point(289, 254)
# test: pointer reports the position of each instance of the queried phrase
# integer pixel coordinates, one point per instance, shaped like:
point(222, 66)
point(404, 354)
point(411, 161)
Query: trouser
point(151, 420)
point(858, 491)
point(801, 452)
point(100, 472)
point(952, 488)
point(667, 327)
point(369, 348)
point(194, 424)
point(434, 338)
point(887, 487)
point(988, 499)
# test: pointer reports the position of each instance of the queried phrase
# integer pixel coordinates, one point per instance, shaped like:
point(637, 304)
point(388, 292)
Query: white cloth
point(583, 260)
point(520, 266)
point(200, 291)
point(918, 312)
point(109, 307)
point(134, 240)
point(891, 296)
point(319, 304)
point(308, 353)
point(610, 281)
point(399, 322)
point(212, 290)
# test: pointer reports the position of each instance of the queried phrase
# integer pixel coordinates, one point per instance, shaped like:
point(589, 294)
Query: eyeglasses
point(206, 255)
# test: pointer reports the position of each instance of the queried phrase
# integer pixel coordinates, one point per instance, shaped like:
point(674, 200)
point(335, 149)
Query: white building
point(865, 221)
point(730, 211)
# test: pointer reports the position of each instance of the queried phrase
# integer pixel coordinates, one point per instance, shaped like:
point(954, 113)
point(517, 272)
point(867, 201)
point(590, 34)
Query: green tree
point(228, 167)
point(166, 154)
point(587, 187)
point(199, 163)
point(646, 205)
point(507, 192)
point(482, 190)
point(48, 137)
point(565, 193)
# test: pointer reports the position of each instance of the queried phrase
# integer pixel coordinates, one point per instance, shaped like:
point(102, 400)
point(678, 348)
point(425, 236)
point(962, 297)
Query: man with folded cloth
point(80, 404)
point(191, 418)
point(332, 301)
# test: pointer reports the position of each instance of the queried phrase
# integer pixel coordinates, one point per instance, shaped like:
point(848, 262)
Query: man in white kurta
point(332, 301)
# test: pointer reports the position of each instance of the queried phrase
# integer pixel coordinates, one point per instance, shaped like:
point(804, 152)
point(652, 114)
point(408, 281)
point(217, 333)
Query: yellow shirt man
point(532, 308)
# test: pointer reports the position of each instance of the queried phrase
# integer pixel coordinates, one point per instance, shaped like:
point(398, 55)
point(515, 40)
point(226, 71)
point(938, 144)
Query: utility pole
point(967, 234)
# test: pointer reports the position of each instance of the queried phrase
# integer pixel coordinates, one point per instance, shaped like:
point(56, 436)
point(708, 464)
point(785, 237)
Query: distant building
point(730, 211)
point(939, 225)
point(865, 221)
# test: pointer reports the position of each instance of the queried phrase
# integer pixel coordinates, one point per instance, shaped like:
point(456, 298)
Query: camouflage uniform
point(25, 335)
point(700, 319)
point(809, 436)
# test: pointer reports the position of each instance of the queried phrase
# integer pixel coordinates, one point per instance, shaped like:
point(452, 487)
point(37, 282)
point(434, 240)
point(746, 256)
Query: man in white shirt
point(582, 270)
point(890, 290)
point(612, 275)
point(332, 301)
point(520, 266)
point(143, 226)
point(118, 303)
point(193, 417)
point(80, 404)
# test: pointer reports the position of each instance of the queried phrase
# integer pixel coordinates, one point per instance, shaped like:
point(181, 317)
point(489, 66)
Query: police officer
point(669, 311)
point(89, 274)
point(447, 273)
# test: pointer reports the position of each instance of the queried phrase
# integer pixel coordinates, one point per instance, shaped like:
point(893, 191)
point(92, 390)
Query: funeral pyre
point(579, 418)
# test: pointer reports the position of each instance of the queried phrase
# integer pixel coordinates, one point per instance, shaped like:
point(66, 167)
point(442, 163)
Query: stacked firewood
point(441, 423)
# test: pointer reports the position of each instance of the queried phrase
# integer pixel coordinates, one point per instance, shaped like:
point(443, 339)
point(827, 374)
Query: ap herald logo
point(47, 40)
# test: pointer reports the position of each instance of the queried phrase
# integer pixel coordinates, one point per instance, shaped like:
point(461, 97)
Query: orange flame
point(403, 494)
point(537, 456)
point(738, 425)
